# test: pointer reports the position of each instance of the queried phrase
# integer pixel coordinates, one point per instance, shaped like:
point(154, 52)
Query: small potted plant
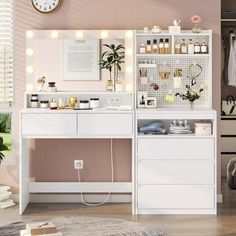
point(191, 94)
point(196, 20)
point(111, 60)
point(3, 147)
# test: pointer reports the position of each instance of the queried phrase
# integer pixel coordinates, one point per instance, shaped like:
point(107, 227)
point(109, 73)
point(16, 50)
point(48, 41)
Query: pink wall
point(102, 14)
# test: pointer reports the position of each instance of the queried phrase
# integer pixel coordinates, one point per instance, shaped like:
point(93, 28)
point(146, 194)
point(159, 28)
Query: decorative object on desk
point(196, 20)
point(155, 86)
point(40, 83)
point(146, 30)
point(73, 102)
point(94, 103)
point(164, 71)
point(141, 99)
point(195, 71)
point(151, 102)
point(84, 104)
point(143, 76)
point(51, 87)
point(3, 147)
point(169, 98)
point(180, 127)
point(61, 103)
point(156, 127)
point(119, 85)
point(112, 60)
point(178, 78)
point(228, 106)
point(156, 29)
point(202, 128)
point(191, 95)
point(175, 28)
point(53, 104)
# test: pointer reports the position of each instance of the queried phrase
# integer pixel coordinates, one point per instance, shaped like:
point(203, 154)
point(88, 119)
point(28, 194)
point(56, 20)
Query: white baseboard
point(76, 198)
point(219, 198)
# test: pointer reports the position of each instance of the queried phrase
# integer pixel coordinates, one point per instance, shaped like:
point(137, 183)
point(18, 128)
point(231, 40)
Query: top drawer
point(176, 149)
point(49, 124)
point(228, 127)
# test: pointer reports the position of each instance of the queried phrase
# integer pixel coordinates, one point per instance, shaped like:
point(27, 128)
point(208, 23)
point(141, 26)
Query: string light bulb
point(79, 34)
point(29, 69)
point(104, 34)
point(29, 51)
point(29, 87)
point(129, 52)
point(129, 34)
point(54, 34)
point(29, 34)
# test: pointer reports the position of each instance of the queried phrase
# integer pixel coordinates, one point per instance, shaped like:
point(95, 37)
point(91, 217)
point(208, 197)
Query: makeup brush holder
point(164, 71)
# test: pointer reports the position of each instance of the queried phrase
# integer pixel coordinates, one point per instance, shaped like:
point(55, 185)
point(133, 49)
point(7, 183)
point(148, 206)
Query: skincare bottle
point(149, 47)
point(167, 46)
point(184, 47)
point(197, 47)
point(177, 47)
point(190, 47)
point(142, 48)
point(154, 46)
point(204, 46)
point(161, 46)
point(53, 104)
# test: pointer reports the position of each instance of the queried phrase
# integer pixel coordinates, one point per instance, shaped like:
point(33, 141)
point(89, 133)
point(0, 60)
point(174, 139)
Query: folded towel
point(232, 167)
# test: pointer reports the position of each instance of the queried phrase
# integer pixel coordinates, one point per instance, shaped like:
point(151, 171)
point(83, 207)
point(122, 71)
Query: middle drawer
point(176, 172)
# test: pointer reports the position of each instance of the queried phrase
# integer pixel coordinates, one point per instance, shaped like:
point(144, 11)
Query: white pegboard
point(167, 84)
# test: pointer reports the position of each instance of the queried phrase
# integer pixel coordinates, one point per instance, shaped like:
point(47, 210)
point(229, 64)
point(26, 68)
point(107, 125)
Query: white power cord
point(112, 180)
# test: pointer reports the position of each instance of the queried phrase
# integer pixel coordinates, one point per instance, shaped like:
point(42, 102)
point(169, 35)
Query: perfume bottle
point(149, 47)
point(177, 47)
point(204, 46)
point(167, 46)
point(197, 47)
point(190, 47)
point(184, 47)
point(142, 48)
point(161, 46)
point(154, 46)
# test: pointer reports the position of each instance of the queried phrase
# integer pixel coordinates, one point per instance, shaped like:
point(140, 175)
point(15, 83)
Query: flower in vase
point(196, 19)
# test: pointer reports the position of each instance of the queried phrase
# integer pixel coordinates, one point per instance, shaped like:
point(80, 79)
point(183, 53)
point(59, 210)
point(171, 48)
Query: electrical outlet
point(78, 164)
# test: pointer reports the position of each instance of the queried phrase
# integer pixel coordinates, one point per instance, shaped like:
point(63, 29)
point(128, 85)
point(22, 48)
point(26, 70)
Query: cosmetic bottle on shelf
point(197, 47)
point(167, 46)
point(149, 47)
point(177, 47)
point(184, 47)
point(142, 48)
point(154, 46)
point(204, 46)
point(190, 47)
point(161, 46)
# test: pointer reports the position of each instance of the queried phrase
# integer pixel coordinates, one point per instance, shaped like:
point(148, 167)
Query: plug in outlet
point(78, 164)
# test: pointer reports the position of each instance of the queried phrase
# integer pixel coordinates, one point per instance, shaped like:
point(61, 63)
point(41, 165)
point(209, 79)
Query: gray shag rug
point(87, 226)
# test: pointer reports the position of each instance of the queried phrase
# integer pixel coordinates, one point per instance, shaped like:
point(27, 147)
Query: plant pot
point(196, 29)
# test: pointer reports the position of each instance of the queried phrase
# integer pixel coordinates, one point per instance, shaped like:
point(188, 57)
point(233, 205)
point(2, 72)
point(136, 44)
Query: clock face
point(45, 6)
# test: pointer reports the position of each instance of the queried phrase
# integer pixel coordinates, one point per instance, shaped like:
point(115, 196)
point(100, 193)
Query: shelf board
point(194, 136)
point(166, 33)
point(76, 92)
point(172, 55)
point(227, 20)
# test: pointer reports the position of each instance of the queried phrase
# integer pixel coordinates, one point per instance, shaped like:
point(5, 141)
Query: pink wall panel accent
point(100, 14)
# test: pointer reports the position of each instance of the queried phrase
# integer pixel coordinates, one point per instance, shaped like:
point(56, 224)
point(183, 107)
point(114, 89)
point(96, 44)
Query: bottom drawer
point(176, 197)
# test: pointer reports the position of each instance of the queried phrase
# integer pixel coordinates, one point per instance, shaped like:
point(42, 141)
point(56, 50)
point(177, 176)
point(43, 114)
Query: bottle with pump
point(190, 47)
point(197, 47)
point(204, 46)
point(154, 46)
point(167, 46)
point(161, 46)
point(177, 47)
point(142, 48)
point(184, 47)
point(149, 47)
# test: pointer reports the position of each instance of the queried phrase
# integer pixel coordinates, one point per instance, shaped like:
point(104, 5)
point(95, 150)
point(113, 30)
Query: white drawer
point(105, 124)
point(228, 144)
point(228, 127)
point(49, 124)
point(176, 148)
point(176, 172)
point(176, 197)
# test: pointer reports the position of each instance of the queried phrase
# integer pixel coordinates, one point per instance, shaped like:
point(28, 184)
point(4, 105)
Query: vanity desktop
point(170, 173)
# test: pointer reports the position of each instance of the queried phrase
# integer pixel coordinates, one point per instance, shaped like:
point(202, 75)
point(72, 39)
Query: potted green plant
point(111, 60)
point(191, 94)
point(3, 147)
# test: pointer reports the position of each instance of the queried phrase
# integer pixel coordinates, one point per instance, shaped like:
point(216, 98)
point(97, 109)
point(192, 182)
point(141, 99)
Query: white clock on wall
point(46, 6)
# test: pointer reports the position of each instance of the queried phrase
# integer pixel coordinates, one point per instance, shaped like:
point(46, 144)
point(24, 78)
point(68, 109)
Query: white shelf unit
point(176, 174)
point(175, 61)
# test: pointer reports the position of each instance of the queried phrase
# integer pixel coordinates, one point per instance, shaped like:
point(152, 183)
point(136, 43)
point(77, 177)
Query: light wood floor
point(224, 224)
